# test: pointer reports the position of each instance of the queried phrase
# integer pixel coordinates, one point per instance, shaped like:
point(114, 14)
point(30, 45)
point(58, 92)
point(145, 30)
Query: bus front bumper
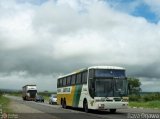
point(110, 105)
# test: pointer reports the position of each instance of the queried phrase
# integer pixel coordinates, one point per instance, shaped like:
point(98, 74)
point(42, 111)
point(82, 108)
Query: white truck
point(29, 92)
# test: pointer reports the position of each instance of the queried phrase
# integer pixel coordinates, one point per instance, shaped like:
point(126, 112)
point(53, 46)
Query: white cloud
point(150, 84)
point(15, 26)
point(101, 26)
point(15, 80)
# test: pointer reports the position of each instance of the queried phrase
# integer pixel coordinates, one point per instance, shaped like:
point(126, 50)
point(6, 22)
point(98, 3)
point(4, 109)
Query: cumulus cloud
point(150, 84)
point(44, 40)
point(15, 80)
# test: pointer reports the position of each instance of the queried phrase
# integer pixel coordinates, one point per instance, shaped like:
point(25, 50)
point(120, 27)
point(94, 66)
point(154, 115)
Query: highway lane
point(56, 111)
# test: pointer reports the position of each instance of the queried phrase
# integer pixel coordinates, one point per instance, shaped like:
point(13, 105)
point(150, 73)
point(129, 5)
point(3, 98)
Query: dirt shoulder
point(26, 112)
point(21, 108)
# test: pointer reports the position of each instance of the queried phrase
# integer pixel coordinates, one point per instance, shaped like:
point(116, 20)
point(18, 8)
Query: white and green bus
point(96, 87)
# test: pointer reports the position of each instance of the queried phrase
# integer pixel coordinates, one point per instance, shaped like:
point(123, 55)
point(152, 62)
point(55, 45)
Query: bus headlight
point(100, 100)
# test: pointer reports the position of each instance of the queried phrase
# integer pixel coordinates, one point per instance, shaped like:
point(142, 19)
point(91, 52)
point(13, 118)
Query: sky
point(44, 39)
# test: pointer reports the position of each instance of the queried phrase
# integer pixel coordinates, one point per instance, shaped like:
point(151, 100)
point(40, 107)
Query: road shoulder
point(26, 112)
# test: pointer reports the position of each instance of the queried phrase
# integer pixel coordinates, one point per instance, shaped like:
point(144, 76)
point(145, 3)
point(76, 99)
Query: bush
point(0, 93)
point(134, 98)
point(157, 96)
point(147, 98)
point(151, 97)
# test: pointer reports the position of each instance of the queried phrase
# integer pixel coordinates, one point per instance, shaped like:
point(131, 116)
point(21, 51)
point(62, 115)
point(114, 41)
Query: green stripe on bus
point(77, 95)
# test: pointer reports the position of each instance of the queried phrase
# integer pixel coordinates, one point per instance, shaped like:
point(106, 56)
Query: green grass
point(16, 94)
point(46, 98)
point(4, 104)
point(149, 104)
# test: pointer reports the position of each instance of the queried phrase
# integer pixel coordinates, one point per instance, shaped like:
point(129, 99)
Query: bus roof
point(93, 67)
point(106, 67)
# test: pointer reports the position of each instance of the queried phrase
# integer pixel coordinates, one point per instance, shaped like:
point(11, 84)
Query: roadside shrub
point(151, 97)
point(0, 93)
point(134, 98)
point(157, 96)
point(147, 98)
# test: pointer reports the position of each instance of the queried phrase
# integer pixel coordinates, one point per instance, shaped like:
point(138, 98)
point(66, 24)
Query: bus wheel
point(85, 106)
point(64, 104)
point(112, 111)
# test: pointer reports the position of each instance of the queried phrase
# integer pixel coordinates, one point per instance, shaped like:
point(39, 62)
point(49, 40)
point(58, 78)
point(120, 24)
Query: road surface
point(34, 110)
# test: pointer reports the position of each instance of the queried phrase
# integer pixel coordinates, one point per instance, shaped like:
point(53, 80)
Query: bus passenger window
point(79, 79)
point(73, 79)
point(64, 81)
point(60, 81)
point(68, 80)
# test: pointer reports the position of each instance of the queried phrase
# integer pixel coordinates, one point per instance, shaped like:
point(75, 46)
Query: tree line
point(136, 94)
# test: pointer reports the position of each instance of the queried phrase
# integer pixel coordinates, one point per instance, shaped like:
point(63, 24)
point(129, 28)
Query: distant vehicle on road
point(29, 92)
point(53, 99)
point(39, 98)
point(96, 87)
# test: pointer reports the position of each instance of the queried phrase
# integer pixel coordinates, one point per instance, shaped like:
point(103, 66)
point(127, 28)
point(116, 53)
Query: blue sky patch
point(144, 11)
point(135, 8)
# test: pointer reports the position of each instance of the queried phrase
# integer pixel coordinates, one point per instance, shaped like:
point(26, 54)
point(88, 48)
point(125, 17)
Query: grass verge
point(4, 104)
point(16, 94)
point(46, 98)
point(148, 104)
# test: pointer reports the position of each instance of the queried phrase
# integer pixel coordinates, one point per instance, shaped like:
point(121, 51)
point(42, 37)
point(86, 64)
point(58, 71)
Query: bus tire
point(64, 104)
point(85, 106)
point(112, 111)
point(61, 102)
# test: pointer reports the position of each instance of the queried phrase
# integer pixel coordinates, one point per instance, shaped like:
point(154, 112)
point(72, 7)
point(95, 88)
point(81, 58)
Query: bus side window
point(64, 81)
point(84, 77)
point(68, 80)
point(73, 79)
point(60, 82)
point(79, 78)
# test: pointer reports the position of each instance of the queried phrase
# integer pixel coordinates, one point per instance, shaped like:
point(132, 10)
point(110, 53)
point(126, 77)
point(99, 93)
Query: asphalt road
point(56, 112)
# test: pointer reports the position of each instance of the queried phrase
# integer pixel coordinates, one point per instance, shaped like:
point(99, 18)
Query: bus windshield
point(110, 87)
point(103, 88)
point(109, 73)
